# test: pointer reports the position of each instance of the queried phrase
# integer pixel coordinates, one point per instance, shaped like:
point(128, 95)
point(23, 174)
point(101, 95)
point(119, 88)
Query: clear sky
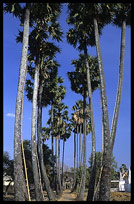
point(110, 47)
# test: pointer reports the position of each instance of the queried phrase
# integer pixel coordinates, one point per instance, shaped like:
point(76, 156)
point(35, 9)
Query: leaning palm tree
point(42, 51)
point(83, 34)
point(122, 12)
point(80, 86)
point(121, 19)
point(19, 181)
point(60, 114)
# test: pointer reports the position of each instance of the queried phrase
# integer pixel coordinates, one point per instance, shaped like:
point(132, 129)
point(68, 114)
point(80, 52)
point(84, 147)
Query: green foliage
point(45, 133)
point(78, 77)
point(121, 12)
point(48, 159)
point(8, 166)
point(77, 118)
point(114, 172)
point(60, 126)
point(13, 8)
point(81, 17)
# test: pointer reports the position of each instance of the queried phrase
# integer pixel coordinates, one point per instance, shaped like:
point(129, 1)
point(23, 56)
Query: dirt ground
point(67, 196)
point(120, 196)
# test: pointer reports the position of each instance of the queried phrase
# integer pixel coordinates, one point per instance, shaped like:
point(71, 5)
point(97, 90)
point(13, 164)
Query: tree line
point(38, 58)
point(48, 162)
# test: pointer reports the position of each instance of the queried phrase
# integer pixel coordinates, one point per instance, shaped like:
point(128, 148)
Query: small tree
point(19, 180)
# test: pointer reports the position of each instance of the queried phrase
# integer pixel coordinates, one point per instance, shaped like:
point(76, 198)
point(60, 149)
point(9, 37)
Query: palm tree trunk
point(104, 194)
point(59, 177)
point(93, 170)
point(80, 146)
point(57, 173)
point(40, 148)
point(56, 180)
point(83, 177)
point(37, 182)
point(74, 181)
point(52, 142)
point(19, 180)
point(96, 192)
point(63, 161)
point(119, 89)
point(77, 146)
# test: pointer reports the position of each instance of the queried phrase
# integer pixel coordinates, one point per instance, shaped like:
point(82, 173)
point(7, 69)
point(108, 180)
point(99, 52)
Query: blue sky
point(110, 47)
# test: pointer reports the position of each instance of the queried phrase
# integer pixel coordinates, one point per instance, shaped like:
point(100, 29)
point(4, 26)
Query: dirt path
point(67, 196)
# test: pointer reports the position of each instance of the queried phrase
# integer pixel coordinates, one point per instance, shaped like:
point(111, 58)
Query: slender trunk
point(119, 89)
point(96, 192)
point(59, 176)
point(74, 181)
point(80, 146)
point(52, 142)
point(63, 160)
point(40, 148)
point(83, 177)
point(37, 181)
point(56, 180)
point(104, 194)
point(93, 170)
point(77, 146)
point(19, 180)
point(56, 177)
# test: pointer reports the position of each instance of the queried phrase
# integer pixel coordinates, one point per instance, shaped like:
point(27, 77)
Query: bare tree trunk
point(52, 143)
point(80, 146)
point(50, 193)
point(77, 146)
point(105, 183)
point(37, 181)
point(63, 161)
point(96, 192)
point(75, 181)
point(119, 89)
point(83, 177)
point(19, 180)
point(59, 176)
point(56, 177)
point(93, 170)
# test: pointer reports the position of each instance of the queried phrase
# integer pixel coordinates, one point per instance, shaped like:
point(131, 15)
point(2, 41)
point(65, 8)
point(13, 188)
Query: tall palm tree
point(37, 181)
point(106, 178)
point(43, 52)
point(19, 180)
point(120, 19)
point(83, 34)
point(80, 86)
point(61, 114)
point(56, 93)
point(76, 82)
point(100, 14)
point(108, 138)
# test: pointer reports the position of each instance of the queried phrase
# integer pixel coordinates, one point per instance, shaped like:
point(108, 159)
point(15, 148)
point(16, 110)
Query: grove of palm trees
point(39, 80)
